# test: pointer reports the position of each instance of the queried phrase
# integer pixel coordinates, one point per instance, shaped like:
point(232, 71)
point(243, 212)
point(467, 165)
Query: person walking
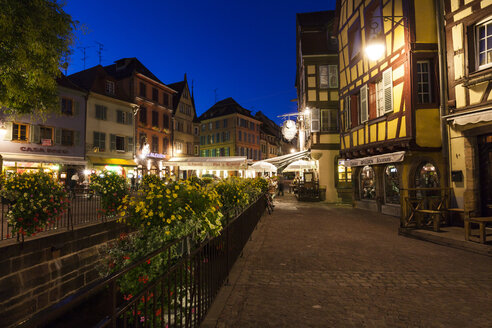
point(280, 184)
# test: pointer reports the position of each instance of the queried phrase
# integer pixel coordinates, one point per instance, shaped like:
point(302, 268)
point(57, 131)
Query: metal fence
point(83, 209)
point(180, 297)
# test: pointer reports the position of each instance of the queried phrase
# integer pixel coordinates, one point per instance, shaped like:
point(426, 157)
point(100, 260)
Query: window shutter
point(35, 136)
point(58, 135)
point(76, 138)
point(347, 113)
point(129, 118)
point(76, 108)
point(105, 113)
point(315, 120)
point(8, 134)
point(112, 145)
point(388, 90)
point(102, 141)
point(363, 104)
point(129, 144)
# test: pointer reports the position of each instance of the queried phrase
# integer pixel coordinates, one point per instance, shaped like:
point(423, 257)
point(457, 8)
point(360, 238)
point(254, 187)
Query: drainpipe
point(443, 87)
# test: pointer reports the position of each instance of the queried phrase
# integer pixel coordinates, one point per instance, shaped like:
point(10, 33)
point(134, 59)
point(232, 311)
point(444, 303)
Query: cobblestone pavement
point(314, 265)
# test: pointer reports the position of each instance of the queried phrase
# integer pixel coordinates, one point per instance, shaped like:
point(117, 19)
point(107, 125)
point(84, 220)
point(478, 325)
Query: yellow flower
point(175, 195)
point(168, 232)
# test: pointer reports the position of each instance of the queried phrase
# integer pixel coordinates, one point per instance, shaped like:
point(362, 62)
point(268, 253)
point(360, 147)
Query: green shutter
point(112, 145)
point(58, 136)
point(129, 144)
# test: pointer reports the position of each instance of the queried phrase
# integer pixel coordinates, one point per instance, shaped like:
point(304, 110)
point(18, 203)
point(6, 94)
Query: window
point(384, 93)
point(217, 124)
point(19, 132)
point(251, 126)
point(197, 132)
point(346, 113)
point(165, 98)
point(367, 183)
point(225, 123)
point(46, 133)
point(101, 112)
point(424, 82)
point(344, 173)
point(228, 151)
point(240, 136)
point(165, 145)
point(484, 47)
point(214, 152)
point(323, 76)
point(143, 91)
point(202, 140)
point(329, 120)
point(222, 152)
point(228, 136)
point(391, 185)
point(355, 40)
point(427, 176)
point(143, 115)
point(204, 127)
point(333, 76)
point(197, 151)
point(120, 116)
point(210, 126)
point(110, 87)
point(99, 141)
point(155, 144)
point(155, 95)
point(142, 139)
point(363, 104)
point(67, 137)
point(119, 143)
point(155, 119)
point(165, 121)
point(67, 106)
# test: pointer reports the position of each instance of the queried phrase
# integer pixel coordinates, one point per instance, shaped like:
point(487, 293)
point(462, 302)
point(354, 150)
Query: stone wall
point(42, 271)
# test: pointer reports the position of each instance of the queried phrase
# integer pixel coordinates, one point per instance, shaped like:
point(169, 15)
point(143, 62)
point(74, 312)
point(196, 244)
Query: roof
point(125, 67)
point(225, 107)
point(268, 126)
point(94, 79)
point(316, 32)
point(179, 87)
point(64, 81)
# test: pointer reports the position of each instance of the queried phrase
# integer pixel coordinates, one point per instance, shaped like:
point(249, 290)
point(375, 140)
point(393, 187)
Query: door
point(485, 167)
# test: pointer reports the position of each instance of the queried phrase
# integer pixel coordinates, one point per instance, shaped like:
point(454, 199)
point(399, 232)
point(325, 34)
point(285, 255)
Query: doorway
point(485, 168)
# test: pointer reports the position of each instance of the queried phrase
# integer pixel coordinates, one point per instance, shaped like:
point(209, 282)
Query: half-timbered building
point(469, 117)
point(389, 103)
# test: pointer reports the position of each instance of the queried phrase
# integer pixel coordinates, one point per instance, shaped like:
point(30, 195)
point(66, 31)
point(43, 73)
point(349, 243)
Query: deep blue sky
point(244, 49)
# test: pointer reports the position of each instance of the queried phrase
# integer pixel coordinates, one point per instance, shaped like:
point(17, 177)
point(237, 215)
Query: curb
point(463, 245)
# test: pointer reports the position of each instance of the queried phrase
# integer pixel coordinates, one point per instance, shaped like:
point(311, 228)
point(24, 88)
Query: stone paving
point(315, 265)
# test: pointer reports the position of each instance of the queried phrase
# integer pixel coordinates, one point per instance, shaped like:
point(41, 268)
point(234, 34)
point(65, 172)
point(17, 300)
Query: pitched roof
point(225, 107)
point(268, 126)
point(94, 79)
point(64, 81)
point(125, 67)
point(179, 87)
point(316, 32)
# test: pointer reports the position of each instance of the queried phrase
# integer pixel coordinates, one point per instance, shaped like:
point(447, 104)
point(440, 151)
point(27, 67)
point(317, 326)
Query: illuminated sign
point(289, 130)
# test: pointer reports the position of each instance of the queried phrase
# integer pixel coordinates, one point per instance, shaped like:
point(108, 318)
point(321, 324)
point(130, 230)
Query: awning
point(209, 163)
point(472, 118)
point(111, 161)
point(64, 160)
point(282, 161)
point(378, 159)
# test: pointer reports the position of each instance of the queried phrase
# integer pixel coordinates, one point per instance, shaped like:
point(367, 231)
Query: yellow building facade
point(469, 116)
point(389, 104)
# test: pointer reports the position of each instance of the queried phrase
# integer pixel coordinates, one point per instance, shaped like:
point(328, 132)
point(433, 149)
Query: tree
point(34, 37)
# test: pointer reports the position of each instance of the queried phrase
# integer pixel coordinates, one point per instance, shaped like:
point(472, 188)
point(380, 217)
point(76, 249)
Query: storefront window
point(367, 183)
point(344, 173)
point(427, 176)
point(391, 185)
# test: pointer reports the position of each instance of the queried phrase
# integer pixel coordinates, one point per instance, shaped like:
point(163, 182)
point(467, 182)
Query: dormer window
point(109, 87)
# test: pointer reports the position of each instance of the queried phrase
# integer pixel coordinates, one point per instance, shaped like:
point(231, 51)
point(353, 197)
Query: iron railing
point(180, 297)
point(84, 208)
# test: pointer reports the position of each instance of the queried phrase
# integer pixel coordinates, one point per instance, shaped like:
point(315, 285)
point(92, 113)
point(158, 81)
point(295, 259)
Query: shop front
point(220, 167)
point(125, 167)
point(379, 181)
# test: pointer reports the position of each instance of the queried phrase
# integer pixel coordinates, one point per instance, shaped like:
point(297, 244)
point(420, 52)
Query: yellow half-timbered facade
point(469, 116)
point(389, 101)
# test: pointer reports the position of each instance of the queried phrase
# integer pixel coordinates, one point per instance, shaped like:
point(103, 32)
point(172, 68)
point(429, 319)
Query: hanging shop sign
point(375, 160)
point(289, 129)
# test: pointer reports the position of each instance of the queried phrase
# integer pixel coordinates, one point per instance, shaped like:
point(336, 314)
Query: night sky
point(244, 49)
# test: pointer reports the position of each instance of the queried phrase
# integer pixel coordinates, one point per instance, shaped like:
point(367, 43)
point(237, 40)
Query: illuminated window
point(367, 183)
point(344, 173)
point(391, 185)
point(19, 132)
point(427, 176)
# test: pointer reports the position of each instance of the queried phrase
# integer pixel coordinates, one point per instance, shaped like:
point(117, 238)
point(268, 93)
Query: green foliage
point(150, 179)
point(112, 189)
point(231, 194)
point(260, 183)
point(35, 36)
point(38, 201)
point(179, 207)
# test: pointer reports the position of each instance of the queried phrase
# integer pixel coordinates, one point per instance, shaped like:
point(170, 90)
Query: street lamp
point(376, 45)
